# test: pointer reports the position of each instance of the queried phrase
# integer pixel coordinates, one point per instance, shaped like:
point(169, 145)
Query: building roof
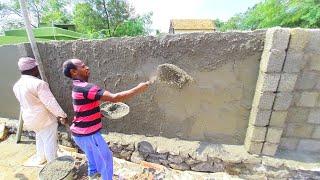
point(192, 24)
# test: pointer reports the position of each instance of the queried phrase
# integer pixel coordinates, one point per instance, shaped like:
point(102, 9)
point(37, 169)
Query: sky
point(164, 10)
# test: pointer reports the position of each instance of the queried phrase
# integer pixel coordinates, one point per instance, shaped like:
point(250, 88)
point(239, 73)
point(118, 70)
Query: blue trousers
point(98, 155)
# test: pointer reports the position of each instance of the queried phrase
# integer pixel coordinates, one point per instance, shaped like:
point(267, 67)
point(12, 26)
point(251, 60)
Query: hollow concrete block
point(314, 116)
point(309, 145)
point(299, 38)
point(267, 82)
point(308, 99)
point(272, 60)
point(255, 133)
point(278, 118)
point(277, 38)
point(283, 101)
point(269, 149)
point(288, 143)
point(259, 117)
point(274, 135)
point(287, 82)
point(294, 62)
point(263, 100)
point(253, 147)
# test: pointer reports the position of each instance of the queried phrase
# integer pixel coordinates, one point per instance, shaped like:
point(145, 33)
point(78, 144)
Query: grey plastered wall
point(214, 108)
point(9, 74)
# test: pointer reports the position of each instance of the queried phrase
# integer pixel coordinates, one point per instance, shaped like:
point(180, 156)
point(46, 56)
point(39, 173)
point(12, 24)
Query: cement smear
point(214, 108)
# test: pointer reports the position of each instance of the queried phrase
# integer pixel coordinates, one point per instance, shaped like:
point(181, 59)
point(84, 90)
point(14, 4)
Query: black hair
point(29, 71)
point(67, 66)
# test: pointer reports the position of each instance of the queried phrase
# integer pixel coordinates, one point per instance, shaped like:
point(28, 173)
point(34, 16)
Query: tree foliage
point(86, 19)
point(97, 18)
point(41, 11)
point(270, 13)
point(134, 27)
point(55, 12)
point(106, 18)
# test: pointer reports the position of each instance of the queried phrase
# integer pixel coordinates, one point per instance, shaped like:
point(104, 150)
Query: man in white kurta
point(40, 110)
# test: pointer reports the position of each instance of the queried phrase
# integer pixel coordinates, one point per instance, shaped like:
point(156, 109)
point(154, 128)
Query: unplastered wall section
point(285, 110)
point(272, 97)
point(302, 125)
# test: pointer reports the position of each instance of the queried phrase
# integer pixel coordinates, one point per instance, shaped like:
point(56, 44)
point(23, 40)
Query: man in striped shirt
point(87, 121)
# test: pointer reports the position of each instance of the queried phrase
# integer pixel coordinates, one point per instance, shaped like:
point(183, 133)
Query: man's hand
point(143, 86)
point(63, 121)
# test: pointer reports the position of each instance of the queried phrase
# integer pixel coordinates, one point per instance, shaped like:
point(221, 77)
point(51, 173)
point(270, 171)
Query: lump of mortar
point(57, 169)
point(173, 75)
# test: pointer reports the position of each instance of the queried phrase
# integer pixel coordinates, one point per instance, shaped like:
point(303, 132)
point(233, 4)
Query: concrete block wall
point(285, 111)
point(302, 125)
point(272, 97)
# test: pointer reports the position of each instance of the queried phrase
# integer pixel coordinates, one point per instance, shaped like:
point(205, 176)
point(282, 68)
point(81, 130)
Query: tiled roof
point(201, 24)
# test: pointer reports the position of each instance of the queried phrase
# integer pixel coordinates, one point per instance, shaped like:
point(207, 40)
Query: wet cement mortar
point(57, 169)
point(114, 110)
point(215, 108)
point(173, 75)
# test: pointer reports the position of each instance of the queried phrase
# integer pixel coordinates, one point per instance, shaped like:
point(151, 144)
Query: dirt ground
point(12, 157)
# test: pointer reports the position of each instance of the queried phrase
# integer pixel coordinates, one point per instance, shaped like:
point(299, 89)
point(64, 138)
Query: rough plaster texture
point(214, 108)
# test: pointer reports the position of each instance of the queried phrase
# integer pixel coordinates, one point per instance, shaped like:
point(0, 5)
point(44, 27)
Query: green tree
point(41, 11)
point(86, 19)
point(284, 13)
point(304, 13)
point(110, 18)
point(134, 27)
point(55, 12)
point(234, 23)
point(268, 14)
point(218, 23)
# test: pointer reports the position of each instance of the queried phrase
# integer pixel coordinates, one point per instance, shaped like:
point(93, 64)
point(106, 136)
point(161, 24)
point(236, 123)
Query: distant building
point(178, 26)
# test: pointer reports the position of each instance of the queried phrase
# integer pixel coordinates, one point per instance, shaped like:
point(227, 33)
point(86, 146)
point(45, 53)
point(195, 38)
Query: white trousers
point(46, 143)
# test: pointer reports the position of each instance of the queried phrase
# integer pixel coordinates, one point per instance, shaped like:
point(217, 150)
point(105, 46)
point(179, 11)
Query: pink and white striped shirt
point(85, 99)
